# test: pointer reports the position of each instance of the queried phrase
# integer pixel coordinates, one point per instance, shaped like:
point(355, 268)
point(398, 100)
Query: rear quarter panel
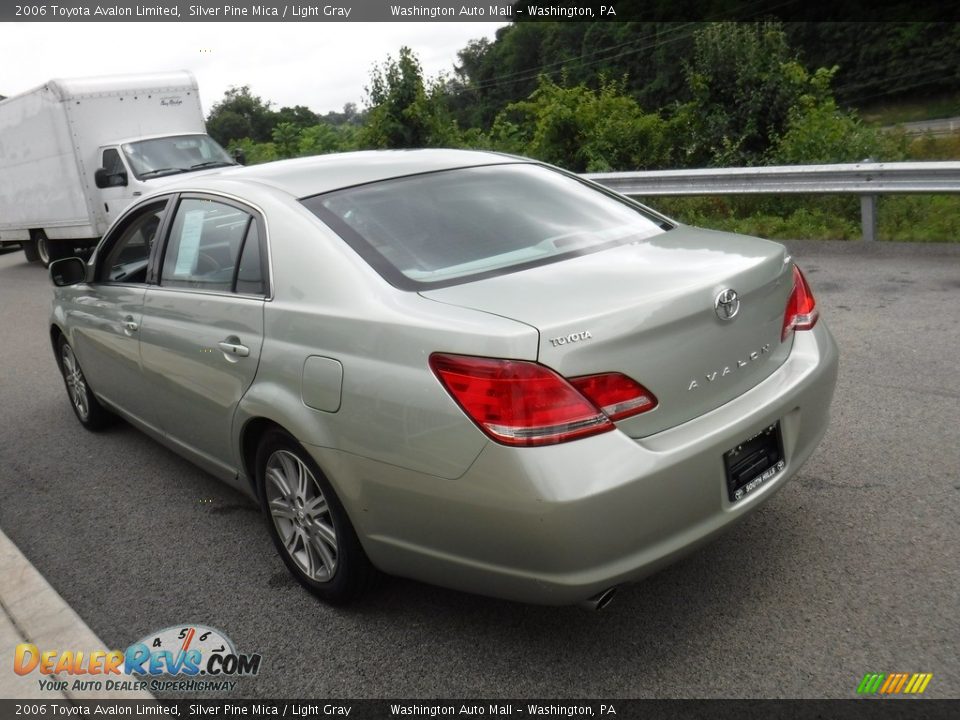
point(329, 304)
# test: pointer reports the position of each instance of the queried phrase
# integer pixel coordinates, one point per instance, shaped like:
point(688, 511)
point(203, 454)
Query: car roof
point(303, 177)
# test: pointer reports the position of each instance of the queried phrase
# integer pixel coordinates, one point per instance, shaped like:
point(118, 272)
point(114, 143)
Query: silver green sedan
point(466, 368)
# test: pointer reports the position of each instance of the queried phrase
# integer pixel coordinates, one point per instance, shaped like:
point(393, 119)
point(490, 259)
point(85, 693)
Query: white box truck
point(74, 153)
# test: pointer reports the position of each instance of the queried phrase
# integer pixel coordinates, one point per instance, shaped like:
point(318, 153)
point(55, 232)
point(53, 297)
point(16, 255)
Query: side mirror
point(103, 179)
point(239, 156)
point(68, 271)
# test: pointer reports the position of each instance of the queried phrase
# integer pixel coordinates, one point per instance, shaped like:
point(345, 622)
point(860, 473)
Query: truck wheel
point(48, 251)
point(30, 250)
point(43, 248)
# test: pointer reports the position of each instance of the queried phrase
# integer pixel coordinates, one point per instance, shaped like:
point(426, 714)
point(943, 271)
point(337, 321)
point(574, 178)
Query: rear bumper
point(556, 525)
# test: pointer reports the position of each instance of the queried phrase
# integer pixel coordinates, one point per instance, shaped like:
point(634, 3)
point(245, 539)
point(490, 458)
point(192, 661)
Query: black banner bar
point(485, 11)
point(861, 709)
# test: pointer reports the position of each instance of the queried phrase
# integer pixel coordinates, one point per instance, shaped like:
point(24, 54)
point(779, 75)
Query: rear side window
point(213, 246)
point(250, 280)
point(448, 227)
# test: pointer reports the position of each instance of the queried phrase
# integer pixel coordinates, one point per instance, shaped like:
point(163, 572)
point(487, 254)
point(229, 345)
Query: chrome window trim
point(201, 291)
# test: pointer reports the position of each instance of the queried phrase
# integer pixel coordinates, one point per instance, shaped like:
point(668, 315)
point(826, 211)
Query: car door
point(104, 316)
point(202, 325)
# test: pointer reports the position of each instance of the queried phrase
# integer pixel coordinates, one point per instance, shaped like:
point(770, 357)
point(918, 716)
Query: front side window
point(447, 227)
point(213, 246)
point(127, 257)
point(112, 162)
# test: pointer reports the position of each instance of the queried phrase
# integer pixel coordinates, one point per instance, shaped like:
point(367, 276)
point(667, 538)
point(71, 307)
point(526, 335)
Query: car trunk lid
point(650, 310)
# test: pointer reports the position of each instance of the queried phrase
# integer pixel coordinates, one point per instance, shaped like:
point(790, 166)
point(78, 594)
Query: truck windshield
point(174, 154)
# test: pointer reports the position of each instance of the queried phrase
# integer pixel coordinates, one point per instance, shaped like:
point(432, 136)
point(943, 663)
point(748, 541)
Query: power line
point(891, 78)
point(579, 62)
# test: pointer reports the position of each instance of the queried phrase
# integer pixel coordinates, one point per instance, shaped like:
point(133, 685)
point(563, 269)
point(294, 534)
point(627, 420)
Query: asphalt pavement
point(854, 567)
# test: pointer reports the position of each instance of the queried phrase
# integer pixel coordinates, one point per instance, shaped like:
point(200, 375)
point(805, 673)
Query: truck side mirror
point(239, 156)
point(103, 179)
point(68, 271)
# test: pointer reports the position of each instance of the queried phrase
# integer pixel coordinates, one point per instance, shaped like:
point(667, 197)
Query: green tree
point(403, 111)
point(583, 130)
point(349, 116)
point(324, 138)
point(254, 152)
point(744, 79)
point(299, 116)
point(286, 140)
point(490, 75)
point(878, 61)
point(818, 131)
point(882, 61)
point(240, 115)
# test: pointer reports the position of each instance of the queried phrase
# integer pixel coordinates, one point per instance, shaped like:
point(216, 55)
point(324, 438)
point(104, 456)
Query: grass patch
point(934, 147)
point(919, 218)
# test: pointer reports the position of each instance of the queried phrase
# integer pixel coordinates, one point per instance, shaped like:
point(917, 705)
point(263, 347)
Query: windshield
point(174, 154)
point(446, 227)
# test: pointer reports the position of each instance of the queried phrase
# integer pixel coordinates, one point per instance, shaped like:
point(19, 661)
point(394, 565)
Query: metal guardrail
point(943, 126)
point(866, 179)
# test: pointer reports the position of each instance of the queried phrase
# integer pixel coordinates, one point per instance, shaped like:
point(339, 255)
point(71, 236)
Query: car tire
point(91, 414)
point(308, 523)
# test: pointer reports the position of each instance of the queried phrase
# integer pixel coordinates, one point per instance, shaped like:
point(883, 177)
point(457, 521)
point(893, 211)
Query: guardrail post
point(868, 216)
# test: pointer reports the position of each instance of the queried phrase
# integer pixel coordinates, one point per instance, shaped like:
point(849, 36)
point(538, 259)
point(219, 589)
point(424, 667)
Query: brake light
point(615, 394)
point(517, 402)
point(801, 312)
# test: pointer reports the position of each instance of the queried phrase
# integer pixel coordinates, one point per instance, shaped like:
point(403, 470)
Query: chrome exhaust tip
point(600, 600)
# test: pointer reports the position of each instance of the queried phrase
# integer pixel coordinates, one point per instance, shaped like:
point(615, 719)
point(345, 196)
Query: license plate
point(754, 462)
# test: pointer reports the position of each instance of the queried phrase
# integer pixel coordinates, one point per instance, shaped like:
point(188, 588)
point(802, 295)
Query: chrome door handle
point(232, 346)
point(130, 325)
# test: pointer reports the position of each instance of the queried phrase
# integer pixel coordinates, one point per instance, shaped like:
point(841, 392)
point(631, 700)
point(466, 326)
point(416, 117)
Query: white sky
point(320, 65)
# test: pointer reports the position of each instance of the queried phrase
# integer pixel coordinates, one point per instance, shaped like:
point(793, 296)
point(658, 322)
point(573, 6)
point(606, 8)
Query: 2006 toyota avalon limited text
point(461, 367)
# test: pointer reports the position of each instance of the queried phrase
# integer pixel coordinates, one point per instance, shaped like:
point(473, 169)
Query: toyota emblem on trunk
point(727, 304)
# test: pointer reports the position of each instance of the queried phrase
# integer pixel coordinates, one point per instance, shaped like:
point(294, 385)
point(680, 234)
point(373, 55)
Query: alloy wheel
point(301, 515)
point(76, 384)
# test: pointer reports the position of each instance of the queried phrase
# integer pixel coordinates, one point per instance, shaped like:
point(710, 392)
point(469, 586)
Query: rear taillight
point(615, 394)
point(801, 312)
point(517, 402)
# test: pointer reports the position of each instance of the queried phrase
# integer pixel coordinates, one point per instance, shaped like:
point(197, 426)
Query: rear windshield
point(448, 227)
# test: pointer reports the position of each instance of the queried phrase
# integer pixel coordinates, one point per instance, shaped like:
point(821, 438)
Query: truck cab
point(134, 167)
